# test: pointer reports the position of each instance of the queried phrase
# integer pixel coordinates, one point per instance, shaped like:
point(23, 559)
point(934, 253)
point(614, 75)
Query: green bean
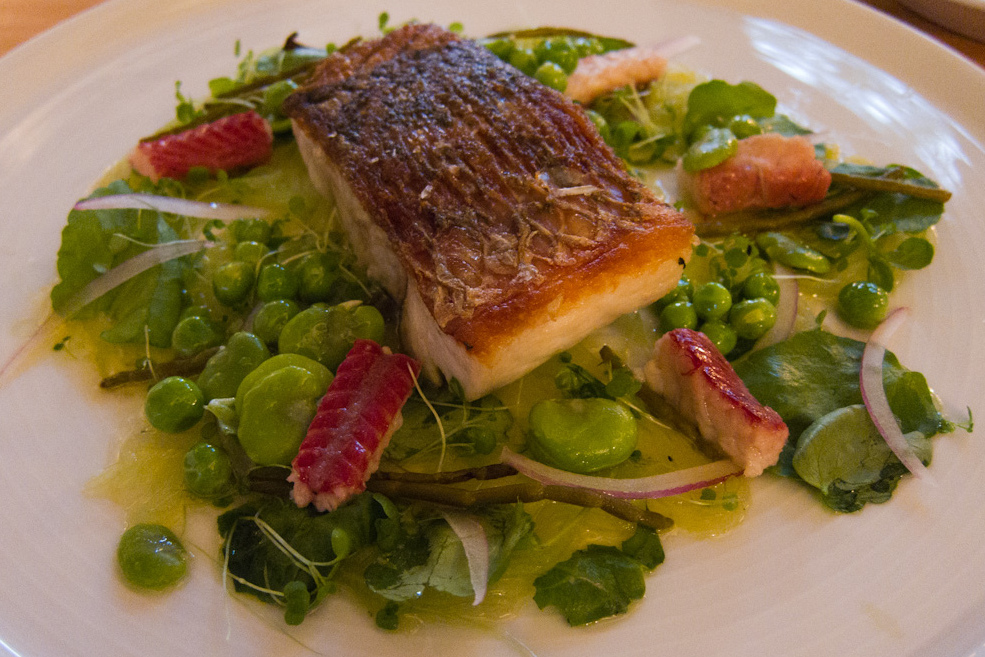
point(791, 253)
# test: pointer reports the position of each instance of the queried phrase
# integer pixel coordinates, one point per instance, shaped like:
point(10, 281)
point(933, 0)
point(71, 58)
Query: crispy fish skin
point(693, 376)
point(486, 201)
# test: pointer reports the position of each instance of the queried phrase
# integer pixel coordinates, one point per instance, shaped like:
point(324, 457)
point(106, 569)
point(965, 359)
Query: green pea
point(232, 282)
point(316, 277)
point(586, 46)
point(788, 251)
point(327, 334)
point(680, 314)
point(560, 51)
point(196, 311)
point(151, 556)
point(752, 318)
point(712, 301)
point(276, 413)
point(525, 60)
point(582, 435)
point(600, 124)
point(626, 133)
point(274, 363)
point(208, 471)
point(276, 281)
point(271, 319)
point(229, 366)
point(502, 48)
point(250, 230)
point(174, 404)
point(552, 75)
point(713, 146)
point(250, 252)
point(721, 335)
point(863, 304)
point(194, 334)
point(761, 285)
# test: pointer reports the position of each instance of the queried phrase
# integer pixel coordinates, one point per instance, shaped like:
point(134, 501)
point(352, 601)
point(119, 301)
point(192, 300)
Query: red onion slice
point(786, 308)
point(651, 488)
point(171, 205)
point(876, 402)
point(472, 534)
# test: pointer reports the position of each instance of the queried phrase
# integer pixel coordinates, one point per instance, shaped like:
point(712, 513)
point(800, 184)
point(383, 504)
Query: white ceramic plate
point(906, 578)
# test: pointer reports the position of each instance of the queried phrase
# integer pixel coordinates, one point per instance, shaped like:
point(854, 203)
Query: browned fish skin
point(694, 377)
point(496, 193)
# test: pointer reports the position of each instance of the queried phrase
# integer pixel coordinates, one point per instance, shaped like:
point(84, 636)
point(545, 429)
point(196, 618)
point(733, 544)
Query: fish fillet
point(691, 374)
point(484, 201)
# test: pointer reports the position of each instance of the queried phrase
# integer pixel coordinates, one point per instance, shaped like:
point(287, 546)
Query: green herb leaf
point(715, 102)
point(595, 583)
point(814, 373)
point(843, 455)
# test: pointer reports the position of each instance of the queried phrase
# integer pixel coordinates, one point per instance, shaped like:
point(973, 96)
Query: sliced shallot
point(653, 487)
point(172, 205)
point(472, 534)
point(876, 402)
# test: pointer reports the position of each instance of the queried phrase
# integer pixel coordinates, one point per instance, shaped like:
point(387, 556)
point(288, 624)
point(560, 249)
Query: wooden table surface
point(22, 19)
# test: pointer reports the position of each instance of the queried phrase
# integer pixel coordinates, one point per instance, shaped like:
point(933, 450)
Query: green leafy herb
point(815, 373)
point(716, 102)
point(272, 548)
point(470, 428)
point(843, 456)
point(428, 554)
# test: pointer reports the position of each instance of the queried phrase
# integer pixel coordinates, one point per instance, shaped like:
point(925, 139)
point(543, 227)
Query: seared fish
point(689, 372)
point(484, 201)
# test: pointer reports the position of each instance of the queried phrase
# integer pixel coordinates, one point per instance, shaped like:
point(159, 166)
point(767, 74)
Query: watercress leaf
point(716, 101)
point(578, 383)
point(595, 583)
point(508, 527)
point(881, 273)
point(843, 455)
point(388, 618)
point(783, 125)
point(260, 564)
point(892, 212)
point(623, 383)
point(445, 569)
point(912, 253)
point(645, 547)
point(814, 373)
